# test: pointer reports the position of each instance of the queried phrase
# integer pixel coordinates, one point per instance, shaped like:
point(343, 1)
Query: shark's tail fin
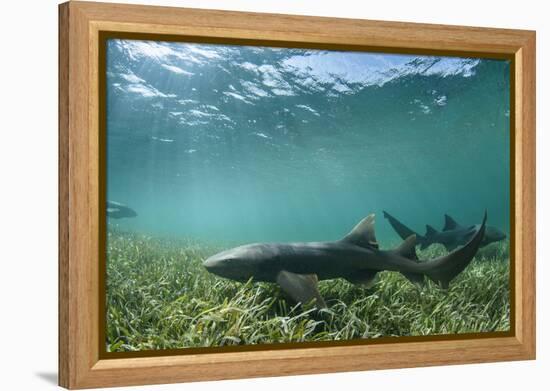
point(443, 269)
point(402, 230)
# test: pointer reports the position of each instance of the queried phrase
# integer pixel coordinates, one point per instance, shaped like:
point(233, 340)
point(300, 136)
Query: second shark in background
point(451, 236)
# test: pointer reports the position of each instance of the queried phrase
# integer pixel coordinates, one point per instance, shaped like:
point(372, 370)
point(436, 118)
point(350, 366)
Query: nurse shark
point(297, 267)
point(452, 235)
point(116, 210)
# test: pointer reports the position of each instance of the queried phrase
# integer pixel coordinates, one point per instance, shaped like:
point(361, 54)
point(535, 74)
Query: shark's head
point(493, 234)
point(239, 263)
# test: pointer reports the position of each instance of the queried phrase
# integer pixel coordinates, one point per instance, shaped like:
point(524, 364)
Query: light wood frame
point(80, 24)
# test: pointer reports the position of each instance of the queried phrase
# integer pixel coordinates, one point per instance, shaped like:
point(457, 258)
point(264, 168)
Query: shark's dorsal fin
point(430, 231)
point(450, 223)
point(363, 233)
point(407, 248)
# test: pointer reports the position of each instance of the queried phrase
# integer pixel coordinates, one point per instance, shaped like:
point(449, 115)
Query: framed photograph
point(247, 195)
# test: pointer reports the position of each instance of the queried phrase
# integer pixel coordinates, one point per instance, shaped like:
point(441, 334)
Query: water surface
point(237, 144)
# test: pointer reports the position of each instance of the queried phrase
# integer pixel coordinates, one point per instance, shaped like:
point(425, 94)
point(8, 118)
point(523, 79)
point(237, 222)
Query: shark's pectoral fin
point(301, 287)
point(364, 278)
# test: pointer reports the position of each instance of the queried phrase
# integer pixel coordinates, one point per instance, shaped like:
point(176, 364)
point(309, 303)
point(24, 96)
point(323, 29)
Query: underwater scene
point(261, 195)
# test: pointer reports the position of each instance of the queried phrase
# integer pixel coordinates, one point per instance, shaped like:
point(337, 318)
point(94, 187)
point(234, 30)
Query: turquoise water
point(238, 144)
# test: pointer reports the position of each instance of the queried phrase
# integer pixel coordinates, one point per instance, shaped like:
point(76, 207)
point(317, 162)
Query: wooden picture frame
point(81, 364)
